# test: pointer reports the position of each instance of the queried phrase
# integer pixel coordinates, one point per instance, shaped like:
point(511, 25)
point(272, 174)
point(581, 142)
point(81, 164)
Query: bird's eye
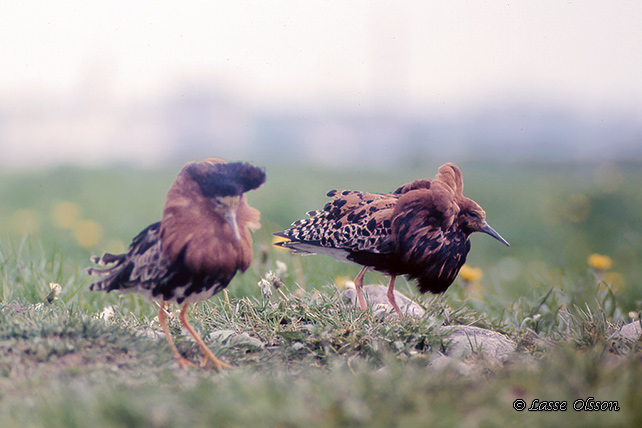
point(218, 204)
point(475, 217)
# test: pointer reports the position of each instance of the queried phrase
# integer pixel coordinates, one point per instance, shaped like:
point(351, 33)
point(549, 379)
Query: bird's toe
point(212, 361)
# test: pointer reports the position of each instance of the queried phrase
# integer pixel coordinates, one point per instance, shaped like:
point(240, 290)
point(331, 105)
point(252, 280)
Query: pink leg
point(208, 355)
point(358, 285)
point(162, 318)
point(391, 295)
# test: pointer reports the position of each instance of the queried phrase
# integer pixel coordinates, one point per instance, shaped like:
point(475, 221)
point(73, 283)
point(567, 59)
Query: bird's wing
point(142, 265)
point(422, 217)
point(149, 264)
point(427, 239)
point(353, 221)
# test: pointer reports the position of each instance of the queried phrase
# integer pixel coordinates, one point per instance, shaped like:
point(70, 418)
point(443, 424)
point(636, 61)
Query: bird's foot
point(209, 359)
point(361, 301)
point(208, 355)
point(184, 362)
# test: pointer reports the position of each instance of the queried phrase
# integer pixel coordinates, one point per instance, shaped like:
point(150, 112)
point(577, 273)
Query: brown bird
point(201, 242)
point(420, 230)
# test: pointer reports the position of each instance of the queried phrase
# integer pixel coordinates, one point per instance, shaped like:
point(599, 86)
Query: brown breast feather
point(190, 228)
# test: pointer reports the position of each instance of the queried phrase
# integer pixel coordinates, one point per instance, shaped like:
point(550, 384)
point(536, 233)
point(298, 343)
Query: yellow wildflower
point(470, 274)
point(343, 282)
point(470, 277)
point(66, 214)
point(600, 262)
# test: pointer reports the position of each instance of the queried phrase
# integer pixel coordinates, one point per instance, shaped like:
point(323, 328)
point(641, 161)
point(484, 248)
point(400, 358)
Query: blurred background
point(540, 104)
point(376, 83)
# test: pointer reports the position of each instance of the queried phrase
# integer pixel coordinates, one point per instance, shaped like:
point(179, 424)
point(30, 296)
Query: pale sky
point(414, 52)
point(86, 82)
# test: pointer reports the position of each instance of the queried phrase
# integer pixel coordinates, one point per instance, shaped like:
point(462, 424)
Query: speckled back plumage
point(353, 221)
point(420, 230)
point(192, 253)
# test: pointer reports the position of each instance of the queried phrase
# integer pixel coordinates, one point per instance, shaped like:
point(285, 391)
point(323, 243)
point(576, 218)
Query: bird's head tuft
point(216, 178)
point(450, 175)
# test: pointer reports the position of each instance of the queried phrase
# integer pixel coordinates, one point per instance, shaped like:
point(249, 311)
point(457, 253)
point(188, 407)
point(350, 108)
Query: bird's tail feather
point(108, 258)
point(108, 274)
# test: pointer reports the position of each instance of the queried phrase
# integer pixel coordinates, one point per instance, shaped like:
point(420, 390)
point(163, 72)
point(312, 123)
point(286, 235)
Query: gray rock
point(467, 342)
point(624, 340)
point(377, 297)
point(631, 330)
point(443, 363)
point(237, 340)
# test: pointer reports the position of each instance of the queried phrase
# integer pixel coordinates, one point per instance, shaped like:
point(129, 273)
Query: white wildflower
point(53, 294)
point(281, 269)
point(107, 313)
point(266, 288)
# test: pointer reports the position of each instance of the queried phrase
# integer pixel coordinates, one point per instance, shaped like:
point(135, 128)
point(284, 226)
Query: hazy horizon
point(138, 82)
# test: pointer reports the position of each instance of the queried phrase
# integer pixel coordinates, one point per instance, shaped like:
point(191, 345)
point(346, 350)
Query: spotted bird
point(420, 230)
point(202, 240)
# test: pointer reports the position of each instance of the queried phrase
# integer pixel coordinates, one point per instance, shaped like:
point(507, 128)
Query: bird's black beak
point(228, 207)
point(230, 217)
point(490, 231)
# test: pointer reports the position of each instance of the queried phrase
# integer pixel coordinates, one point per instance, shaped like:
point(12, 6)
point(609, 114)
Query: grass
point(303, 356)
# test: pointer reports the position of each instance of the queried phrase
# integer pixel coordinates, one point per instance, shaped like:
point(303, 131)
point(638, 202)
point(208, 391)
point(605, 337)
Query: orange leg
point(358, 285)
point(207, 353)
point(162, 318)
point(391, 295)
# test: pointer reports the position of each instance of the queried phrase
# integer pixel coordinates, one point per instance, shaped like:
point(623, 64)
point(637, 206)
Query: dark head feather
point(225, 179)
